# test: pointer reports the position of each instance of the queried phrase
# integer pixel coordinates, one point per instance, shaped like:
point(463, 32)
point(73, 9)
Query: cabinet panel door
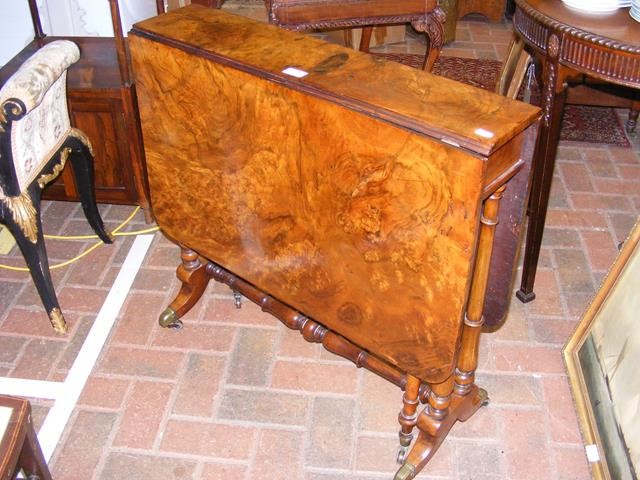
point(101, 118)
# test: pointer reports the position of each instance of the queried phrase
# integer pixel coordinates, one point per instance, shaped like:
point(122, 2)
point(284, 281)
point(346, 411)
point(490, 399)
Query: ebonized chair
point(36, 141)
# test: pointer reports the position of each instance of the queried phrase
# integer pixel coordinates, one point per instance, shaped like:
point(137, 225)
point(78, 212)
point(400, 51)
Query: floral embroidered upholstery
point(40, 85)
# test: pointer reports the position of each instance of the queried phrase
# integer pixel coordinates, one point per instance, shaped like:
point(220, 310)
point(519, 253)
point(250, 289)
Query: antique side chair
point(424, 15)
point(36, 140)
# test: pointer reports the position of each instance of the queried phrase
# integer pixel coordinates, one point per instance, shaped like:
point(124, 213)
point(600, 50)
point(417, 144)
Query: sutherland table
point(355, 199)
point(568, 42)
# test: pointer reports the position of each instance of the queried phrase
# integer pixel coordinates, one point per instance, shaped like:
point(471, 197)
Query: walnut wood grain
point(319, 205)
point(390, 95)
point(348, 209)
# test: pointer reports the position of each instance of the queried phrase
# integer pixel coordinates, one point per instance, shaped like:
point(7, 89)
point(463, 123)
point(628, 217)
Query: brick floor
point(237, 395)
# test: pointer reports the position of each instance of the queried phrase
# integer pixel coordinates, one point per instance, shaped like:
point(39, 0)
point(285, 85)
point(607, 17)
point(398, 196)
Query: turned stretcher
point(355, 199)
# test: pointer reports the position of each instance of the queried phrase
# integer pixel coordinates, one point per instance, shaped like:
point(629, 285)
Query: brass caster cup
point(402, 454)
point(237, 299)
point(406, 472)
point(169, 319)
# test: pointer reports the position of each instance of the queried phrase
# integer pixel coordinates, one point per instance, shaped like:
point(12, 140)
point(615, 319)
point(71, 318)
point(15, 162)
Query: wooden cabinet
point(102, 103)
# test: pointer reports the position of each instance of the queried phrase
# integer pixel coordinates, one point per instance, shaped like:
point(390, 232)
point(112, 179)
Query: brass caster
point(237, 299)
point(406, 472)
point(402, 454)
point(169, 319)
point(484, 397)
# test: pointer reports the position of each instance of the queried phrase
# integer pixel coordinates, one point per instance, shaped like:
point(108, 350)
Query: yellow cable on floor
point(115, 233)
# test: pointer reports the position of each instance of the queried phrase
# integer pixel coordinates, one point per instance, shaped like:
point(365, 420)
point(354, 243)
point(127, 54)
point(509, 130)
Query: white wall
point(16, 31)
point(65, 18)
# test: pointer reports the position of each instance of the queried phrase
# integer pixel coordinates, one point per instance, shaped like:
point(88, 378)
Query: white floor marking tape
point(25, 387)
point(57, 418)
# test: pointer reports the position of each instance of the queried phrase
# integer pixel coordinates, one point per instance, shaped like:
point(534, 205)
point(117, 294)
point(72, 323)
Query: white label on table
point(295, 72)
point(592, 453)
point(481, 132)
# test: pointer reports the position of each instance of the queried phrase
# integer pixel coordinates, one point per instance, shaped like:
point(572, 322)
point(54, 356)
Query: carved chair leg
point(81, 157)
point(433, 26)
point(21, 215)
point(408, 416)
point(193, 274)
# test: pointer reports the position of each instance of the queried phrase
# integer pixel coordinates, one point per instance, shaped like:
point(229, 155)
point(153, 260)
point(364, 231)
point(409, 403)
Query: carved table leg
point(192, 272)
point(553, 99)
point(433, 25)
point(457, 398)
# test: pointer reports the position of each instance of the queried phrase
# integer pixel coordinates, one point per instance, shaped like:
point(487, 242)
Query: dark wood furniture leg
point(31, 244)
point(192, 272)
point(365, 39)
point(81, 157)
point(554, 93)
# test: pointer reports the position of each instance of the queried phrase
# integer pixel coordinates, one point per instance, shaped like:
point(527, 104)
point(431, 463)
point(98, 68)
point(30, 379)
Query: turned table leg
point(457, 398)
point(408, 415)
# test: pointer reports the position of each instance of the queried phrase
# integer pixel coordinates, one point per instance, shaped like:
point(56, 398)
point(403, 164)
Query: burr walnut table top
point(378, 87)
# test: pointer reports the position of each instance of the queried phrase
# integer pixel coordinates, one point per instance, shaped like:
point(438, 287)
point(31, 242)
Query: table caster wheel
point(237, 299)
point(402, 454)
point(406, 472)
point(484, 397)
point(169, 319)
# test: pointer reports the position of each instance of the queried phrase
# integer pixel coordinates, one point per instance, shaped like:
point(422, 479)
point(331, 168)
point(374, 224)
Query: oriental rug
point(581, 123)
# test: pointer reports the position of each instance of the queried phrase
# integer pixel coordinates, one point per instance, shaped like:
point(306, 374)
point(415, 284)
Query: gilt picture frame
point(602, 364)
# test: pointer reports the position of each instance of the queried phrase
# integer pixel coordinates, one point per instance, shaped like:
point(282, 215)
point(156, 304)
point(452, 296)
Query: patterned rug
point(581, 123)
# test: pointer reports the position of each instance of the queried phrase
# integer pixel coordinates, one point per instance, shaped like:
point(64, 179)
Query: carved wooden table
point(353, 198)
point(568, 42)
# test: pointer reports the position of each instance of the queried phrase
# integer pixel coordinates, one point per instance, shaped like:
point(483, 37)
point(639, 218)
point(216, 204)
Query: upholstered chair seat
point(36, 141)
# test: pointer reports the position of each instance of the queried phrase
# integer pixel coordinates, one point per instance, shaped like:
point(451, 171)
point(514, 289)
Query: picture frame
point(602, 364)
